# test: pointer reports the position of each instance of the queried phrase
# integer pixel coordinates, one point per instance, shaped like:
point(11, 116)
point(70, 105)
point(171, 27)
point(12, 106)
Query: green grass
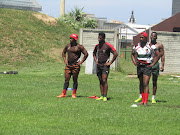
point(25, 39)
point(125, 64)
point(29, 105)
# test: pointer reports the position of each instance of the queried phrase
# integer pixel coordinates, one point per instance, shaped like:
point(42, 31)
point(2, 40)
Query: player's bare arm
point(133, 57)
point(64, 55)
point(84, 51)
point(94, 56)
point(161, 49)
point(156, 58)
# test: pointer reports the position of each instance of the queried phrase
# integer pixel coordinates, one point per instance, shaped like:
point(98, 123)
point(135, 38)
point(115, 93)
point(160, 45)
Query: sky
point(146, 12)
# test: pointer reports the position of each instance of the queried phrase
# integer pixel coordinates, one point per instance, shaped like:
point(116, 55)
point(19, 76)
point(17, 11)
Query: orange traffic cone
point(122, 55)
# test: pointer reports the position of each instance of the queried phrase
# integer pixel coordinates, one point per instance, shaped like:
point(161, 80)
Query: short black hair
point(103, 35)
point(154, 32)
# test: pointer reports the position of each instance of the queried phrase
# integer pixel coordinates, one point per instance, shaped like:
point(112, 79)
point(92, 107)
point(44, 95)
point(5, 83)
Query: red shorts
point(74, 69)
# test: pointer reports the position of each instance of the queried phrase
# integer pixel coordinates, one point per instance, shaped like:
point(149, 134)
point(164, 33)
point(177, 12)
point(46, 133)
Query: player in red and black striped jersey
point(72, 63)
point(101, 56)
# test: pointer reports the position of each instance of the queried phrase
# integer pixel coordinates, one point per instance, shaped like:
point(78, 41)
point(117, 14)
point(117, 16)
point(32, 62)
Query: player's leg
point(101, 86)
point(75, 84)
point(146, 88)
point(154, 79)
point(141, 88)
point(105, 85)
point(66, 84)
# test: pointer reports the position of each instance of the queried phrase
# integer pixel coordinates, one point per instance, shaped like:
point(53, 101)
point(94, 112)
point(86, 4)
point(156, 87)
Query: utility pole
point(62, 8)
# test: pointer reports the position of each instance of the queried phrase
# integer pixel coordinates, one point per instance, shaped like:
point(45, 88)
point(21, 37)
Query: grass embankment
point(25, 39)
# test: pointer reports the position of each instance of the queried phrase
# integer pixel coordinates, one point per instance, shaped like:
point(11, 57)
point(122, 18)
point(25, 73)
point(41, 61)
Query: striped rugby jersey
point(145, 54)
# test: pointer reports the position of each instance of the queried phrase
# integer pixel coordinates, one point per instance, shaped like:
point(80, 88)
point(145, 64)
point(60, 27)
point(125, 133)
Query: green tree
point(77, 19)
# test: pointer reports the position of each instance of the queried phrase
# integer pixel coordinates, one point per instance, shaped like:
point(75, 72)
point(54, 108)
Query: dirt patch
point(131, 76)
point(45, 18)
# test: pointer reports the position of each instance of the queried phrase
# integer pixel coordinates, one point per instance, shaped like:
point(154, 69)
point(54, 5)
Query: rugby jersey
point(145, 54)
point(103, 52)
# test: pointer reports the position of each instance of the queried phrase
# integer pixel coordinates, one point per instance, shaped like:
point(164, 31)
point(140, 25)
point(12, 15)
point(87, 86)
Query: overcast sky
point(145, 11)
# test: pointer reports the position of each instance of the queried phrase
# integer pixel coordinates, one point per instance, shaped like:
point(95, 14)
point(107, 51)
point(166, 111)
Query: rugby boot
point(101, 98)
point(153, 101)
point(138, 100)
point(61, 95)
point(105, 99)
point(73, 95)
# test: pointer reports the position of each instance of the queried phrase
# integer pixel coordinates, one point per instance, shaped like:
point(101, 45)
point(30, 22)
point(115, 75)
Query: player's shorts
point(74, 69)
point(143, 69)
point(103, 70)
point(155, 69)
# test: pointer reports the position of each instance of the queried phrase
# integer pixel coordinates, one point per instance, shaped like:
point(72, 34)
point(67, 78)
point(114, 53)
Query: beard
point(153, 42)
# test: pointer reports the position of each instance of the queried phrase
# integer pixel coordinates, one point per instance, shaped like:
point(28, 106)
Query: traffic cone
point(122, 55)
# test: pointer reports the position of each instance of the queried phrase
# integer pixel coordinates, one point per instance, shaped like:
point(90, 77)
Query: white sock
point(140, 95)
point(153, 96)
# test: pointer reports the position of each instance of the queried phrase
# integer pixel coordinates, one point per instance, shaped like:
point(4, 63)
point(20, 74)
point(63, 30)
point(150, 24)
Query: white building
point(127, 31)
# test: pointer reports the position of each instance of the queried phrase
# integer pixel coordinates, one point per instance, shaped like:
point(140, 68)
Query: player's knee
point(104, 81)
point(145, 84)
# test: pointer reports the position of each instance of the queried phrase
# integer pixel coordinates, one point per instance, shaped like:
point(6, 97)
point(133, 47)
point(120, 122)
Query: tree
point(77, 19)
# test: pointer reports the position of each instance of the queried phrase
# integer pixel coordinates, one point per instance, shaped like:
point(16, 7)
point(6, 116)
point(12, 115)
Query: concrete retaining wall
point(171, 42)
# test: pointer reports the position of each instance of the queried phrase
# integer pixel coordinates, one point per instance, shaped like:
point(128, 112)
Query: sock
point(153, 96)
point(146, 97)
point(64, 91)
point(74, 91)
point(75, 85)
point(140, 95)
point(105, 95)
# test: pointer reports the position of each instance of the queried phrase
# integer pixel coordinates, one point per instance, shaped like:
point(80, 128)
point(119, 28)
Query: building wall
point(171, 42)
point(89, 38)
point(21, 4)
point(175, 7)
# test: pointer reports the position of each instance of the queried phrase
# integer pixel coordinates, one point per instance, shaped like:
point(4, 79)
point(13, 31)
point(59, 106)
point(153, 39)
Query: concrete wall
point(21, 4)
point(171, 42)
point(89, 38)
point(175, 7)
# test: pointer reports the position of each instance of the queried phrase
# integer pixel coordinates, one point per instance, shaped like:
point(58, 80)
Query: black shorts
point(155, 69)
point(143, 69)
point(103, 70)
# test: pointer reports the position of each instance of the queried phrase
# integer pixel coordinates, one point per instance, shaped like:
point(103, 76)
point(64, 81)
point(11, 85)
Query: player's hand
point(137, 63)
point(66, 63)
point(79, 63)
point(162, 69)
point(107, 64)
point(151, 65)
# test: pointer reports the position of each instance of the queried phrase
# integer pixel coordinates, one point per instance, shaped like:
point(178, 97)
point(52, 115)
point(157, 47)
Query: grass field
point(29, 105)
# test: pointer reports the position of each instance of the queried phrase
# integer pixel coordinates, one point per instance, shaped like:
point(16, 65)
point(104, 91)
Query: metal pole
point(62, 8)
point(126, 43)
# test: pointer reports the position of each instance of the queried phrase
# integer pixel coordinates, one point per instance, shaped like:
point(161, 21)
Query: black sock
point(66, 84)
point(75, 85)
